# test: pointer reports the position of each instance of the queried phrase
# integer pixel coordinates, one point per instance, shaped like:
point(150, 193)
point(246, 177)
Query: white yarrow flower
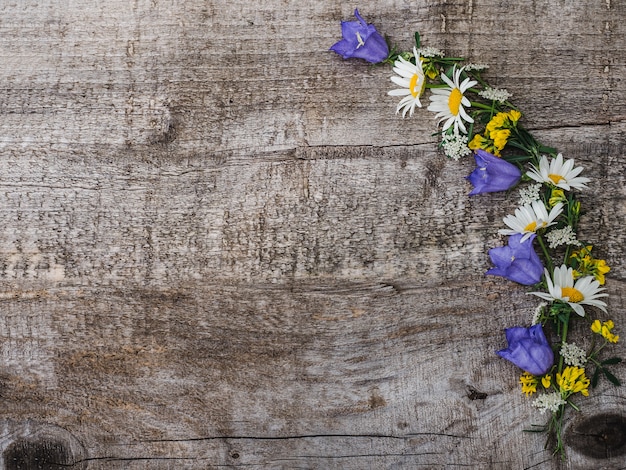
point(412, 80)
point(549, 402)
point(477, 67)
point(562, 236)
point(429, 51)
point(538, 312)
point(449, 102)
point(530, 218)
point(584, 291)
point(529, 194)
point(573, 355)
point(559, 173)
point(496, 94)
point(455, 145)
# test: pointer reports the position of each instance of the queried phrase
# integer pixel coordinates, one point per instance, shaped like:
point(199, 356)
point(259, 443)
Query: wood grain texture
point(220, 247)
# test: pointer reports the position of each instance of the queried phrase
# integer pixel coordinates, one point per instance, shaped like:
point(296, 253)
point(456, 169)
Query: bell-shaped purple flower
point(528, 349)
point(492, 174)
point(361, 40)
point(518, 262)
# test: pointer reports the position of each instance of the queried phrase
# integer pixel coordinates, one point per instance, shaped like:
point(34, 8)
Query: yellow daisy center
point(574, 294)
point(414, 86)
point(454, 102)
point(531, 227)
point(556, 179)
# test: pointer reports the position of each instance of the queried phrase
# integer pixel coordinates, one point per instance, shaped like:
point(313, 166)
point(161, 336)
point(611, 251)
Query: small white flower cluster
point(477, 67)
point(537, 313)
point(455, 145)
point(549, 402)
point(562, 236)
point(573, 355)
point(496, 94)
point(429, 51)
point(528, 194)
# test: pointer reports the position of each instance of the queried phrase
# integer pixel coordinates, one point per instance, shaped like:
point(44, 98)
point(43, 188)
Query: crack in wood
point(304, 436)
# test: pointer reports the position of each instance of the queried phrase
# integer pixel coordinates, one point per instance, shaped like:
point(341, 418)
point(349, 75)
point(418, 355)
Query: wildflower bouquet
point(542, 249)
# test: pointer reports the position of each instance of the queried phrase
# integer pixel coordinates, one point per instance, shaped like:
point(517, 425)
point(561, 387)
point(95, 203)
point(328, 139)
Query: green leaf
point(537, 428)
point(611, 377)
point(515, 158)
point(544, 149)
point(611, 361)
point(417, 40)
point(594, 379)
point(563, 318)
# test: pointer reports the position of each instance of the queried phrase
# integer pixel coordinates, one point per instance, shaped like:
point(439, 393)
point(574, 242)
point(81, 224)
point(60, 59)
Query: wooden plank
point(222, 248)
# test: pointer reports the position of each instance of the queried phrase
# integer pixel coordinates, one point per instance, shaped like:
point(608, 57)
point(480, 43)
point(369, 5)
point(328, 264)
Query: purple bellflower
point(361, 40)
point(492, 174)
point(518, 262)
point(528, 349)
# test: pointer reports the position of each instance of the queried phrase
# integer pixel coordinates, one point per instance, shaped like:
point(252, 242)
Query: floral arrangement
point(542, 248)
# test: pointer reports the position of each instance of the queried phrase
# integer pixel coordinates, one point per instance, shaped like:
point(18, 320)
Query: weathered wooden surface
point(220, 247)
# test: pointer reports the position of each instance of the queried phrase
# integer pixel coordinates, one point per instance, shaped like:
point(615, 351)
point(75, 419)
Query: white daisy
point(411, 80)
point(585, 290)
point(448, 102)
point(530, 218)
point(561, 174)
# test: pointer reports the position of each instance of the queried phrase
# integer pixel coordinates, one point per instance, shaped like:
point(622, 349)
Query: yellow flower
point(497, 122)
point(503, 121)
point(497, 133)
point(546, 380)
point(514, 116)
point(529, 383)
point(596, 326)
point(478, 142)
point(601, 269)
point(573, 380)
point(500, 138)
point(586, 265)
point(556, 196)
point(430, 69)
point(604, 329)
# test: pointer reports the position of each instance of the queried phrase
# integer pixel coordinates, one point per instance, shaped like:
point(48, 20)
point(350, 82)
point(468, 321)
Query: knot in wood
point(601, 436)
point(30, 446)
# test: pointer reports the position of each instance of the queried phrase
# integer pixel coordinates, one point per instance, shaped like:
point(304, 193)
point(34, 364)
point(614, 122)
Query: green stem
point(546, 254)
point(563, 340)
point(476, 104)
point(567, 253)
point(557, 423)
